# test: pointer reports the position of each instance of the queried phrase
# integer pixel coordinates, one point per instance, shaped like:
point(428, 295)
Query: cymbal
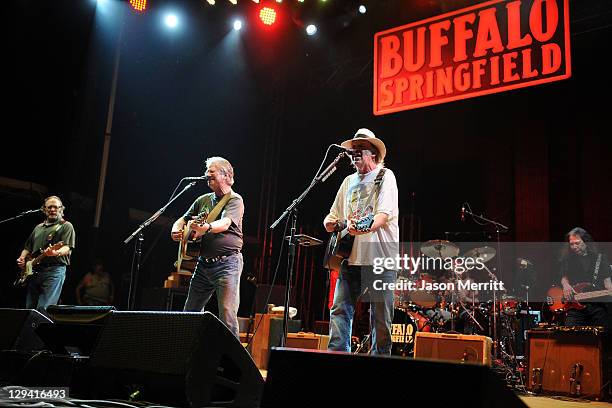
point(486, 253)
point(439, 248)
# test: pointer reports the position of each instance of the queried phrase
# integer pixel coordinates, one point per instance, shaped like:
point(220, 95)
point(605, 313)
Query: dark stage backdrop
point(536, 159)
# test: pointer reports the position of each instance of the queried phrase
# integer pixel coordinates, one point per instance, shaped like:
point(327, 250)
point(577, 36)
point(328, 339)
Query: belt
point(216, 258)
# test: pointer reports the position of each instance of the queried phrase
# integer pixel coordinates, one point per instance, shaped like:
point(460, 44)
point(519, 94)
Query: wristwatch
point(208, 229)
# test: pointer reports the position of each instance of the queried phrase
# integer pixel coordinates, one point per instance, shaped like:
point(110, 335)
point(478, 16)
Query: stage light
point(171, 20)
point(311, 29)
point(237, 25)
point(138, 5)
point(211, 2)
point(362, 9)
point(256, 1)
point(267, 15)
point(279, 1)
point(234, 2)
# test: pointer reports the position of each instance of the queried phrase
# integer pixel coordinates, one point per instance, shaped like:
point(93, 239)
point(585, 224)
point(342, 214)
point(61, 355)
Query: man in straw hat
point(367, 205)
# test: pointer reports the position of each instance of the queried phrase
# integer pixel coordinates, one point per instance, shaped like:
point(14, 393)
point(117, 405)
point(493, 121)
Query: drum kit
point(451, 308)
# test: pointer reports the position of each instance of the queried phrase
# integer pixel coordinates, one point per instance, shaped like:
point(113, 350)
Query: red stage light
point(267, 15)
point(138, 5)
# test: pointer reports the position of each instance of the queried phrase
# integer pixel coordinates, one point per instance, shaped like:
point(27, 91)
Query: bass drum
point(403, 333)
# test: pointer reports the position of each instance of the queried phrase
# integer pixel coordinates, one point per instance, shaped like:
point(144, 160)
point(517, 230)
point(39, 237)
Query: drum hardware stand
point(495, 313)
point(362, 343)
point(498, 227)
point(471, 316)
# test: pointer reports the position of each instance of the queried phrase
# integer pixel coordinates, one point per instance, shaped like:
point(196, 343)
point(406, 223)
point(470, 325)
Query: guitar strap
point(378, 181)
point(54, 230)
point(597, 265)
point(214, 213)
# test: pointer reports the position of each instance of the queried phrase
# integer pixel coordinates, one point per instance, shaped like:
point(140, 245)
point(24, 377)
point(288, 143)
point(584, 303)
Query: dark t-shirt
point(45, 234)
point(582, 269)
point(226, 242)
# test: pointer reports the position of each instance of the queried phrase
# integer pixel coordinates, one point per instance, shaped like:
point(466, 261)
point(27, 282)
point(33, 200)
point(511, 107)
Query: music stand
point(305, 240)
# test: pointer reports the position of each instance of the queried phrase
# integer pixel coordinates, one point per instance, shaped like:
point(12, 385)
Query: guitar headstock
point(200, 219)
point(364, 223)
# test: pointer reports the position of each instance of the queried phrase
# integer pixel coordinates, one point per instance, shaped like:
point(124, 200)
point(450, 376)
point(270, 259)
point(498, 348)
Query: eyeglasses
point(50, 207)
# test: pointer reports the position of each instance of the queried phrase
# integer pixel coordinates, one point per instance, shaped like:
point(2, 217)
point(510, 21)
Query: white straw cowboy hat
point(370, 137)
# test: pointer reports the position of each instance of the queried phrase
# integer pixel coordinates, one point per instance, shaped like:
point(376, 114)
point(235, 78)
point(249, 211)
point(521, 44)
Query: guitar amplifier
point(574, 361)
point(461, 348)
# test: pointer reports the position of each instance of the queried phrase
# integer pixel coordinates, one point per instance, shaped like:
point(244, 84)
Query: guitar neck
point(594, 294)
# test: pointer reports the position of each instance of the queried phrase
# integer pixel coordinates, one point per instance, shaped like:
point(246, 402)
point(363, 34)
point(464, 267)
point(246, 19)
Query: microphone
point(349, 152)
point(197, 178)
point(342, 148)
point(462, 214)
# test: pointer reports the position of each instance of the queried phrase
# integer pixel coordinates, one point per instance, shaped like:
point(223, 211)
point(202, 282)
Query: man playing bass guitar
point(584, 271)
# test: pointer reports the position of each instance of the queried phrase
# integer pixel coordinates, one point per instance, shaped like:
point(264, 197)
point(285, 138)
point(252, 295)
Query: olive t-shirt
point(45, 234)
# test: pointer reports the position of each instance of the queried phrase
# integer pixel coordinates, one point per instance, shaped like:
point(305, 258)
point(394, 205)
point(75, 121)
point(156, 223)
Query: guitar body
point(340, 243)
point(557, 302)
point(189, 237)
point(338, 248)
point(28, 269)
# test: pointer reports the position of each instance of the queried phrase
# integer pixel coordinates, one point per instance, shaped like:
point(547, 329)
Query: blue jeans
point(351, 285)
point(45, 287)
point(223, 278)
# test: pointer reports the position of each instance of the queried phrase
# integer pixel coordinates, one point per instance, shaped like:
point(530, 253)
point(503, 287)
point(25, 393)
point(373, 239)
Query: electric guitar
point(28, 269)
point(189, 236)
point(558, 302)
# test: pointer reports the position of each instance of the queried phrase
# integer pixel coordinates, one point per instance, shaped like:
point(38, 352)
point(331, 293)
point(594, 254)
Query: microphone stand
point(21, 215)
point(138, 245)
point(498, 227)
point(291, 211)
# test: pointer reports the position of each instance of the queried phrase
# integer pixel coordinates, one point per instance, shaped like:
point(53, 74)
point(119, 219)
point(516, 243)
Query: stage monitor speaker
point(462, 348)
point(18, 329)
point(177, 358)
point(342, 379)
point(79, 314)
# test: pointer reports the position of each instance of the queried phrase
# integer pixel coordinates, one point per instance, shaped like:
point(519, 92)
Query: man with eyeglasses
point(366, 204)
point(45, 285)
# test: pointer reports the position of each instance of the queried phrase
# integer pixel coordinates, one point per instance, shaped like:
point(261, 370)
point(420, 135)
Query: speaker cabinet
point(177, 358)
point(19, 329)
point(570, 361)
point(453, 347)
point(351, 380)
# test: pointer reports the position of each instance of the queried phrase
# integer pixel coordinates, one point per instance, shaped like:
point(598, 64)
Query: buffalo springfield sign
point(490, 47)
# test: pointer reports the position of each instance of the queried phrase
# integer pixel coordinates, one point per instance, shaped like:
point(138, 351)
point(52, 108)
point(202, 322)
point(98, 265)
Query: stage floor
point(560, 402)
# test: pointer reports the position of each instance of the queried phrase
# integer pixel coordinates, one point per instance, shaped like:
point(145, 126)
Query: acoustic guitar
point(189, 237)
point(340, 242)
